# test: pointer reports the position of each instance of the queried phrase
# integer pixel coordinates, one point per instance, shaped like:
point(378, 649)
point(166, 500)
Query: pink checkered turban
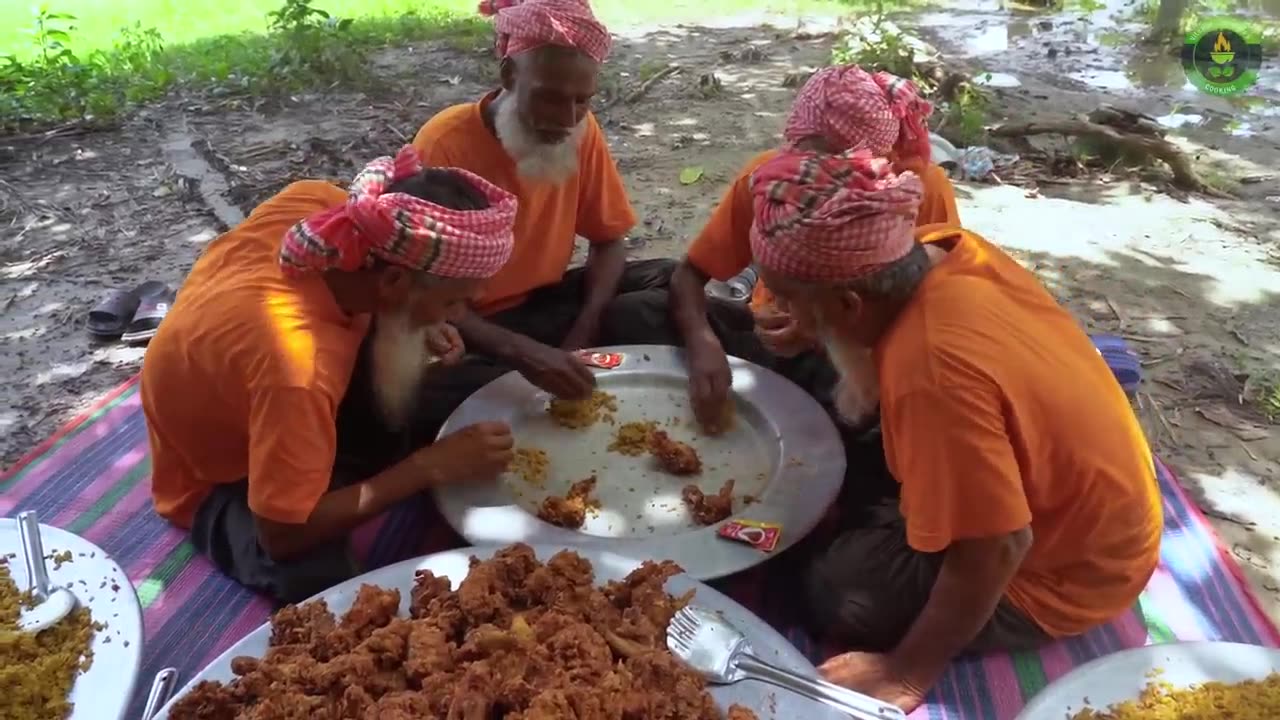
point(854, 109)
point(831, 218)
point(529, 24)
point(402, 229)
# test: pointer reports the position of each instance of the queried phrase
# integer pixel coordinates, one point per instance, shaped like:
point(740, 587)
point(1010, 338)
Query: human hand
point(584, 333)
point(444, 342)
point(709, 382)
point(476, 452)
point(873, 674)
point(558, 372)
point(780, 333)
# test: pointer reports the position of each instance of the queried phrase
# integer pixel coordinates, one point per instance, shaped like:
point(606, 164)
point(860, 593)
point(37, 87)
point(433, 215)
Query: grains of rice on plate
point(531, 464)
point(1248, 700)
point(633, 438)
point(578, 414)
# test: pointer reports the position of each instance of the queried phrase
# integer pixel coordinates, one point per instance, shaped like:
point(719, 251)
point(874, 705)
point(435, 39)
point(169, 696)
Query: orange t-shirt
point(998, 412)
point(723, 248)
point(592, 203)
point(244, 377)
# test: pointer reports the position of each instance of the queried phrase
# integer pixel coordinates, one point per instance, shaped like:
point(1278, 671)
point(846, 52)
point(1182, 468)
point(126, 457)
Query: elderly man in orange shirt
point(272, 433)
point(1029, 507)
point(840, 108)
point(536, 137)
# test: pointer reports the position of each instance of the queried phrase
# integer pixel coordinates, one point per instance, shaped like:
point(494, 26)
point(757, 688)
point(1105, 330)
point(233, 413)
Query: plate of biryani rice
point(520, 633)
point(84, 667)
point(1175, 681)
point(630, 471)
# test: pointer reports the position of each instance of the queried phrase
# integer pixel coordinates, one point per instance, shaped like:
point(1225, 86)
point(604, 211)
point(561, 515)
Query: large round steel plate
point(782, 451)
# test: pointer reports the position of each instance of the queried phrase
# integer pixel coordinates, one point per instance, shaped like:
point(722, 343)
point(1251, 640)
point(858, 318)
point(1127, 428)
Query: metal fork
point(709, 644)
point(162, 687)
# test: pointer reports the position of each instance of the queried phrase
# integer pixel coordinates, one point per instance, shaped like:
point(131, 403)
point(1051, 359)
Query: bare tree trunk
point(1168, 20)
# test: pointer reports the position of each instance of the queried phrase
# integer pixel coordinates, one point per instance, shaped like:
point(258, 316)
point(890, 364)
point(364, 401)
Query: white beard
point(857, 395)
point(399, 359)
point(536, 160)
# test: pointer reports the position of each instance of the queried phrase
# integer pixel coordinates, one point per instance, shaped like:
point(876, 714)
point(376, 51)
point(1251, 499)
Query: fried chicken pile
point(518, 640)
point(709, 509)
point(570, 511)
point(674, 456)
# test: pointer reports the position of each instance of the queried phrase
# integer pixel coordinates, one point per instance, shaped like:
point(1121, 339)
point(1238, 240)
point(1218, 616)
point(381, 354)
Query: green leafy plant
point(874, 43)
point(312, 43)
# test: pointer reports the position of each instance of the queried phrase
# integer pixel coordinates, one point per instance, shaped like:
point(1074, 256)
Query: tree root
point(1184, 176)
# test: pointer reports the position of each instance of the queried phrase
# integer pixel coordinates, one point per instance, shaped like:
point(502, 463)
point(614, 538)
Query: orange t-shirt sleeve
point(939, 202)
point(949, 449)
point(723, 248)
point(293, 439)
point(604, 212)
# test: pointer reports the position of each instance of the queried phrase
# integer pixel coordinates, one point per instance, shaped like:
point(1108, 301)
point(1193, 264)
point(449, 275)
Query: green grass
point(94, 59)
point(98, 21)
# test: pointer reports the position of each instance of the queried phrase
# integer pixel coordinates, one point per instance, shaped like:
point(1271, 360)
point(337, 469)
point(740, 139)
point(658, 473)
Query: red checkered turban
point(831, 218)
point(854, 109)
point(402, 229)
point(529, 24)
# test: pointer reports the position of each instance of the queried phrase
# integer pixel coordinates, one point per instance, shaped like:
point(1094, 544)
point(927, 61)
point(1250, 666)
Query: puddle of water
point(998, 80)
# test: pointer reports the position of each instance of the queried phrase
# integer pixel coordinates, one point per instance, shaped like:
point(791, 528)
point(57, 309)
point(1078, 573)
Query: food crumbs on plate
point(60, 558)
point(1248, 700)
point(709, 509)
point(49, 662)
point(570, 511)
point(738, 712)
point(578, 414)
point(673, 456)
point(531, 465)
point(750, 500)
point(632, 438)
point(762, 536)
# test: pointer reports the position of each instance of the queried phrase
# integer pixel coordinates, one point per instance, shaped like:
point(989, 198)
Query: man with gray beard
point(1029, 508)
point(272, 435)
point(536, 137)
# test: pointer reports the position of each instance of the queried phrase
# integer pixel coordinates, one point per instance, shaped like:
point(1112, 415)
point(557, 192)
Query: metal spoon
point(53, 603)
point(161, 690)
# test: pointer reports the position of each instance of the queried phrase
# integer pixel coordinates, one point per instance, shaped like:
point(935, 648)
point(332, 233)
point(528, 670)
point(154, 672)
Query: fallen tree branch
point(1184, 176)
point(645, 86)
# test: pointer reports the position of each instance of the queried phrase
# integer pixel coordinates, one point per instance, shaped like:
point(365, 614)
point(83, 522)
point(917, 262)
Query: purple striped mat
point(92, 478)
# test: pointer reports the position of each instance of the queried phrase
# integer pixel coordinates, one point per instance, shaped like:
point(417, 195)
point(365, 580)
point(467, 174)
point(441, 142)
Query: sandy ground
point(1194, 284)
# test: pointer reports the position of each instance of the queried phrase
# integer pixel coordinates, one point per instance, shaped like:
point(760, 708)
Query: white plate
point(455, 564)
point(783, 450)
point(1122, 676)
point(103, 691)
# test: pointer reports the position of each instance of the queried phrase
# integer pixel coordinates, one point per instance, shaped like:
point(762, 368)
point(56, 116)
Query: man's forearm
point(973, 579)
point(341, 510)
point(488, 338)
point(689, 301)
point(603, 270)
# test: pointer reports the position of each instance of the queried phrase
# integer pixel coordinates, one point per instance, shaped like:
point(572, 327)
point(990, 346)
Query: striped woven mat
point(92, 478)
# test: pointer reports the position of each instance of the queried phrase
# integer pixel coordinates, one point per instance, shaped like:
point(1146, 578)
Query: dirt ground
point(1193, 283)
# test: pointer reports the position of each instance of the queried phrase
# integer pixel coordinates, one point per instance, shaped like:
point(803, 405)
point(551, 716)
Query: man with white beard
point(1029, 508)
point(271, 434)
point(536, 137)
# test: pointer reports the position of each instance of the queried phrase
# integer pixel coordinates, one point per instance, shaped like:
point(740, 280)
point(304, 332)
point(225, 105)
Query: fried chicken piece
point(301, 624)
point(430, 652)
point(709, 509)
point(683, 692)
point(426, 589)
point(243, 665)
point(373, 608)
point(570, 511)
point(737, 712)
point(355, 703)
point(581, 652)
point(673, 456)
point(645, 581)
point(387, 645)
point(402, 705)
point(548, 705)
point(206, 701)
point(287, 704)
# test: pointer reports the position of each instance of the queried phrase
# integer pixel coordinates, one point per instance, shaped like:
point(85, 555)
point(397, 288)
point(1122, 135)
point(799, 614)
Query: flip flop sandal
point(111, 317)
point(146, 320)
